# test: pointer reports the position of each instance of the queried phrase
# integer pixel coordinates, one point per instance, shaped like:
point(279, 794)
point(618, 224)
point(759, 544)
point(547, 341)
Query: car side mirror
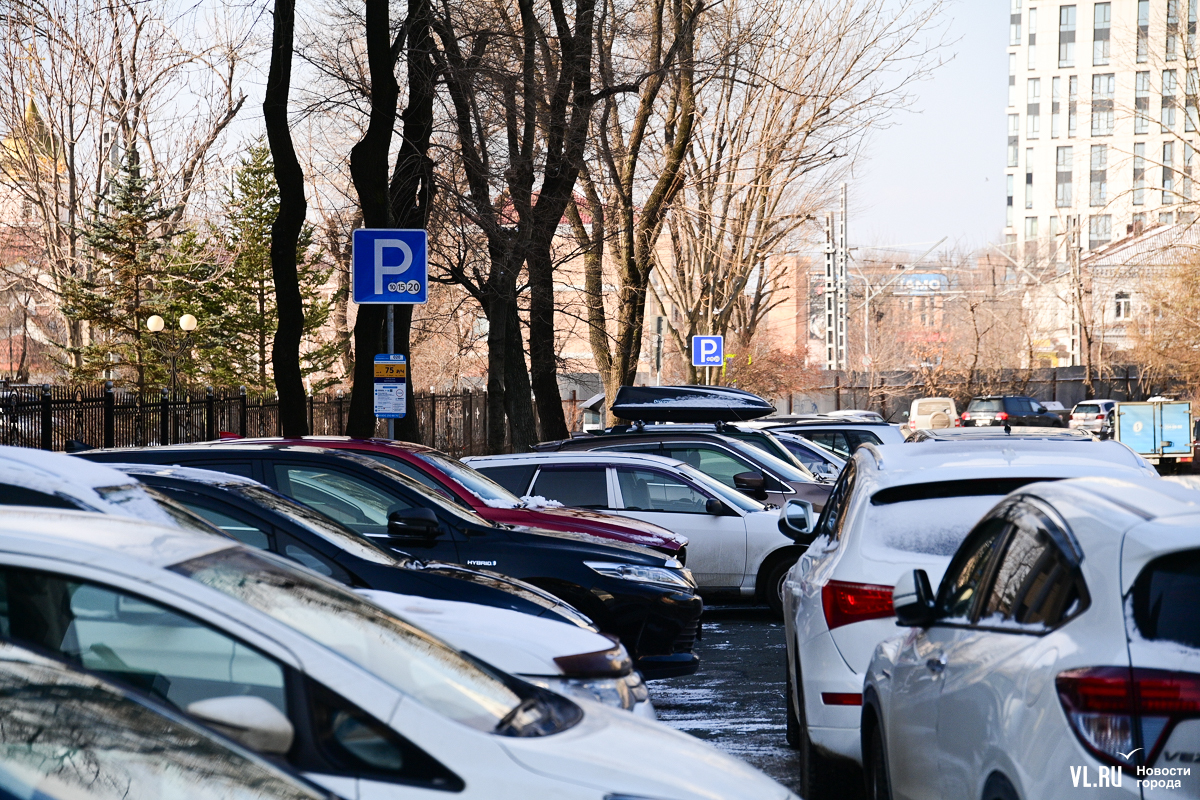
point(248, 720)
point(751, 483)
point(913, 601)
point(1039, 410)
point(412, 523)
point(716, 507)
point(797, 519)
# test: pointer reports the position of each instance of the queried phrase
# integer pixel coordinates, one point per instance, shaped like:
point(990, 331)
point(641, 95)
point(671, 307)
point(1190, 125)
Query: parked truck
point(1159, 429)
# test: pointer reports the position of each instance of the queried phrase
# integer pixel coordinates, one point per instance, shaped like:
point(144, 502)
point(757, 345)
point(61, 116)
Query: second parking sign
point(390, 266)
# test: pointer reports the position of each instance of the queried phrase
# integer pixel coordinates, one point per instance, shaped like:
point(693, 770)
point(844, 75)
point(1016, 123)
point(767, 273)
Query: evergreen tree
point(125, 284)
point(237, 306)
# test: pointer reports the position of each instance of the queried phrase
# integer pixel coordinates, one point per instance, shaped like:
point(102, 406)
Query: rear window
point(974, 487)
point(1087, 408)
point(515, 478)
point(932, 526)
point(987, 405)
point(932, 407)
point(1165, 598)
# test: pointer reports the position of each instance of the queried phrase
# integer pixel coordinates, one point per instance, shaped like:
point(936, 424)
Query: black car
point(1011, 410)
point(644, 597)
point(261, 517)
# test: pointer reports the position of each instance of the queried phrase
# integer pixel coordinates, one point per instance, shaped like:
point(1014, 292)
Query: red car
point(488, 499)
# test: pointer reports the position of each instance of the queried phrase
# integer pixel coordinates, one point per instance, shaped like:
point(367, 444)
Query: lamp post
point(172, 345)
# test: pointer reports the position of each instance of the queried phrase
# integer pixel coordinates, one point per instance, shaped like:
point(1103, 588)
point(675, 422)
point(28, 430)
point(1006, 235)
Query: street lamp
point(172, 346)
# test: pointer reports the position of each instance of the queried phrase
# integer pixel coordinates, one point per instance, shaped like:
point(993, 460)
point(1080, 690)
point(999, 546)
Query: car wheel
point(793, 724)
point(998, 788)
point(817, 778)
point(772, 586)
point(879, 784)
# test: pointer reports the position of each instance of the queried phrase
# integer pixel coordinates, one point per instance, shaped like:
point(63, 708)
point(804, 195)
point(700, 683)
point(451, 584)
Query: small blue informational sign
point(708, 351)
point(391, 377)
point(390, 266)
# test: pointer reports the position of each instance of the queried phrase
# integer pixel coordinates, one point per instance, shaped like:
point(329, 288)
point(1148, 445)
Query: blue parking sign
point(708, 351)
point(390, 266)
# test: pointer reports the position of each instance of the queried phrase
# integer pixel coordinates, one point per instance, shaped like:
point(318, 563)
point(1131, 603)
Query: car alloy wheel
point(773, 586)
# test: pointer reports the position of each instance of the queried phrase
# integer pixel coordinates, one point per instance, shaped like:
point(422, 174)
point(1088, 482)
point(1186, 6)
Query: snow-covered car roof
point(89, 538)
point(579, 457)
point(206, 476)
point(900, 464)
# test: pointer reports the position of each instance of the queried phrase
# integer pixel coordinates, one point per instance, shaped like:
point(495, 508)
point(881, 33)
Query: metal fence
point(71, 418)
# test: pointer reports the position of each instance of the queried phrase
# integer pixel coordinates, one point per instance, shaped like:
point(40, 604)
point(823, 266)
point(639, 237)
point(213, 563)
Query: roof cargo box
point(688, 404)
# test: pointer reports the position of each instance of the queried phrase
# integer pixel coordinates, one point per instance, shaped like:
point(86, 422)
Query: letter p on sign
point(708, 351)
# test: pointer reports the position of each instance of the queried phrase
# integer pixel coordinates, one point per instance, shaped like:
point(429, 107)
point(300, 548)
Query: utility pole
point(836, 285)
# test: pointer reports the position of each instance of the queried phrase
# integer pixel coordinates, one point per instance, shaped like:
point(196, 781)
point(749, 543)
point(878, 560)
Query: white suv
point(735, 544)
point(895, 508)
point(1062, 651)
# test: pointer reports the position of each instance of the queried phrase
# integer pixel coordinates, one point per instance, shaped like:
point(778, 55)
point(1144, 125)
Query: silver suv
point(1093, 416)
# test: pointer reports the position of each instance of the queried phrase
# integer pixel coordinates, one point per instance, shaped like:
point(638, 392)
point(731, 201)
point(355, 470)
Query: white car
point(933, 413)
point(532, 648)
point(735, 544)
point(294, 665)
point(895, 508)
point(1060, 657)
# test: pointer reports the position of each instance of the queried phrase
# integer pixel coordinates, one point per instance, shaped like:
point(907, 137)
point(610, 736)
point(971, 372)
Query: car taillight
point(1075, 416)
point(1116, 710)
point(846, 603)
point(965, 415)
point(841, 698)
point(912, 424)
point(1003, 415)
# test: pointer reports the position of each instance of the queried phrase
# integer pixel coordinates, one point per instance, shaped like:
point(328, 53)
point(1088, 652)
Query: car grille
point(686, 639)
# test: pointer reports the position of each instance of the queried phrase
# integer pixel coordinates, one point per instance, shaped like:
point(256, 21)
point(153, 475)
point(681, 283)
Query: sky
point(939, 169)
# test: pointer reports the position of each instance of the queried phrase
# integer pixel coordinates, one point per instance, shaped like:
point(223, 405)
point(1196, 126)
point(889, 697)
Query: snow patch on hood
point(497, 502)
point(536, 502)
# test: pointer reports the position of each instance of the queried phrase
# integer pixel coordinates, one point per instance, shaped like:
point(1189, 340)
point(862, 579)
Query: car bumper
point(833, 728)
point(657, 627)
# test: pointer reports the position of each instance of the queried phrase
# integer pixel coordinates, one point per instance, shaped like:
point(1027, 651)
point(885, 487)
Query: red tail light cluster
point(1002, 416)
point(965, 415)
point(1114, 710)
point(846, 603)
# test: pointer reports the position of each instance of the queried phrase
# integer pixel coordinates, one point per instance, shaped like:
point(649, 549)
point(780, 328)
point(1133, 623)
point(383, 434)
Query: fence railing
point(72, 418)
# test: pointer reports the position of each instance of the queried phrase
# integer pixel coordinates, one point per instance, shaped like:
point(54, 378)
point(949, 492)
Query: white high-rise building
point(1102, 122)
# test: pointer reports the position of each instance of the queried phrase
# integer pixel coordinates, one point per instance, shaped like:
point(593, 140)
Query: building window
point(1062, 179)
point(1139, 173)
point(1099, 230)
point(1168, 173)
point(1066, 36)
point(1191, 120)
point(1187, 217)
point(1103, 88)
point(1141, 103)
point(1029, 177)
point(1014, 26)
point(1014, 135)
point(1124, 306)
point(1189, 155)
point(1169, 85)
point(1072, 102)
point(1008, 212)
point(1055, 107)
point(1033, 108)
point(1166, 218)
point(1143, 32)
point(1053, 227)
point(1032, 38)
point(1172, 44)
point(1098, 196)
point(1031, 228)
point(1012, 79)
point(1139, 223)
point(1100, 30)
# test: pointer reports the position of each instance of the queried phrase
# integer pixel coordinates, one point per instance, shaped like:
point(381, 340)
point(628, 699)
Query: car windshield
point(433, 498)
point(988, 405)
point(757, 451)
point(69, 736)
point(731, 497)
point(338, 535)
point(473, 481)
point(406, 657)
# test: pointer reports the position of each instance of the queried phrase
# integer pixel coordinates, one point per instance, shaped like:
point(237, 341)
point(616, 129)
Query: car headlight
point(640, 573)
point(615, 692)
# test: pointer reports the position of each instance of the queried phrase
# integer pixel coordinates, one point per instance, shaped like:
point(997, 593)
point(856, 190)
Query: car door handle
point(936, 665)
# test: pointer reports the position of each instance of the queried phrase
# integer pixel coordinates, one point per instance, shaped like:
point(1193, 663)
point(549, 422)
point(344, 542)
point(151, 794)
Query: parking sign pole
point(391, 348)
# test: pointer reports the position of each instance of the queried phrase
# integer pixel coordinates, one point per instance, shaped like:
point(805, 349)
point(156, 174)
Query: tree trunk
point(285, 231)
point(497, 329)
point(517, 401)
point(543, 361)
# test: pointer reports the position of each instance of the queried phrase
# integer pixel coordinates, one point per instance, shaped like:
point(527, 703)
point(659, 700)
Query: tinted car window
point(986, 405)
point(834, 440)
point(859, 438)
point(515, 478)
point(20, 496)
point(400, 465)
point(581, 488)
point(1034, 583)
point(833, 516)
point(1166, 596)
point(343, 497)
point(964, 577)
point(1087, 408)
point(650, 490)
point(243, 468)
point(245, 530)
point(709, 460)
point(136, 641)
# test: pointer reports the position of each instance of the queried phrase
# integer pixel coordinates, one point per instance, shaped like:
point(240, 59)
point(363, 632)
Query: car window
point(1034, 585)
point(136, 641)
point(242, 527)
point(1166, 595)
point(11, 495)
point(585, 487)
point(987, 405)
point(811, 459)
point(710, 460)
point(858, 438)
point(71, 736)
point(402, 466)
point(1087, 408)
point(833, 440)
point(964, 577)
point(472, 480)
point(244, 469)
point(345, 498)
point(833, 516)
point(651, 490)
point(927, 407)
point(515, 477)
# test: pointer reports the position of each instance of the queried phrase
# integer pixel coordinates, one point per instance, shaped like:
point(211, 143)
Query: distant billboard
point(922, 283)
